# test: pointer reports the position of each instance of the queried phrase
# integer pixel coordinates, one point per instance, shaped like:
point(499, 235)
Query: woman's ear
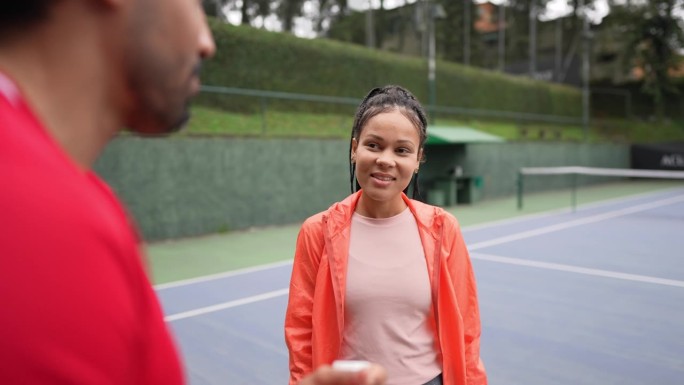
point(354, 146)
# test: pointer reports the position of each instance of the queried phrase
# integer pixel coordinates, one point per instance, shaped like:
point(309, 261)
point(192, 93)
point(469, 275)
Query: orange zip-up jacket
point(314, 320)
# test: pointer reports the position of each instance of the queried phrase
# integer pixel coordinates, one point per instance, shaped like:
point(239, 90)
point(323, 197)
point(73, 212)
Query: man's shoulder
point(62, 207)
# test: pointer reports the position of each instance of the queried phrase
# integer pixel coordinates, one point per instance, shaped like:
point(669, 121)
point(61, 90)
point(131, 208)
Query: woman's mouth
point(383, 178)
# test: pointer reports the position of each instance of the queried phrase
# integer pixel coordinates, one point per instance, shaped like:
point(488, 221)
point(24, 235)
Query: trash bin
point(469, 189)
point(476, 189)
point(442, 192)
point(435, 197)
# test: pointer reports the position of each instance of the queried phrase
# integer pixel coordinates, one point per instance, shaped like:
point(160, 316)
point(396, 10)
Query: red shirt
point(76, 304)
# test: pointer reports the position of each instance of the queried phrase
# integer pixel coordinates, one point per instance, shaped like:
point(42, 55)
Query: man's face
point(166, 43)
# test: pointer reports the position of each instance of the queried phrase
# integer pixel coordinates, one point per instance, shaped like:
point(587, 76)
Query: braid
point(383, 99)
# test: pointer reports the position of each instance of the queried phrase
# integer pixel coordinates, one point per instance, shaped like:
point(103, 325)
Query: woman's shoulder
point(321, 217)
point(314, 220)
point(338, 211)
point(434, 214)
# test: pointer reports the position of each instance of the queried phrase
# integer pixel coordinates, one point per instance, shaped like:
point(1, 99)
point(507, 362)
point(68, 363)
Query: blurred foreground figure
point(77, 304)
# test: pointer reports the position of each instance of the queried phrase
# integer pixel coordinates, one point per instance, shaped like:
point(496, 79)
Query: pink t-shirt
point(388, 299)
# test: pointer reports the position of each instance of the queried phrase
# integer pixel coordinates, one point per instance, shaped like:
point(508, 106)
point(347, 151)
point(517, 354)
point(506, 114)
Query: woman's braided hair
point(385, 99)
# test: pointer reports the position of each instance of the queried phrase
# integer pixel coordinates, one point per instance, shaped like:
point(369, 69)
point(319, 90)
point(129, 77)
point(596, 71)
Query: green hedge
point(262, 60)
point(606, 105)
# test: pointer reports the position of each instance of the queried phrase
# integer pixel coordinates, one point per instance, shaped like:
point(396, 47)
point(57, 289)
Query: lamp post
point(466, 31)
point(586, 39)
point(502, 36)
point(434, 11)
point(370, 26)
point(533, 40)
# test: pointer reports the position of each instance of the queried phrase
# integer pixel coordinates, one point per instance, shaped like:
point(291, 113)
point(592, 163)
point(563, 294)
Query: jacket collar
point(338, 216)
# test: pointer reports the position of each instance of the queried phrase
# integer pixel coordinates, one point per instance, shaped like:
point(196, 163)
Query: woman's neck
point(379, 209)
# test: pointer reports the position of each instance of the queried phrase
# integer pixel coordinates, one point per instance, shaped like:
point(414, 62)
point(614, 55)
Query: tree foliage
point(653, 39)
point(518, 27)
point(451, 32)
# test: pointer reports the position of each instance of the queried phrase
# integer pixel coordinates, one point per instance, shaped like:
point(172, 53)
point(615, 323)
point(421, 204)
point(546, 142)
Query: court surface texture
point(587, 296)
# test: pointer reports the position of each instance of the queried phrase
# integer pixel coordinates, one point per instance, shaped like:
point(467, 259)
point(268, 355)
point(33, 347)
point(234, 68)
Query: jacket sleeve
point(298, 320)
point(463, 279)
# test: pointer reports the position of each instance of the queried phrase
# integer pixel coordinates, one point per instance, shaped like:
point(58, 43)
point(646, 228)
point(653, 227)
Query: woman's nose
point(385, 160)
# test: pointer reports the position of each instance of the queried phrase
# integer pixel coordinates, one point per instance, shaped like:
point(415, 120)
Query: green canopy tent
point(456, 135)
point(444, 180)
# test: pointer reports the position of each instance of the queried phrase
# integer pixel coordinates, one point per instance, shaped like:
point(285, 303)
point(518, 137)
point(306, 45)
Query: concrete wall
point(181, 186)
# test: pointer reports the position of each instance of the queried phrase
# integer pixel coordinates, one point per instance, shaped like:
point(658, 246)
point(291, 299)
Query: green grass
point(276, 124)
point(209, 121)
point(641, 131)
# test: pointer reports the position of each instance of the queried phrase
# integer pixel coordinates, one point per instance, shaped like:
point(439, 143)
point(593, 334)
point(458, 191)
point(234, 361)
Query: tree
point(653, 39)
point(213, 7)
point(287, 11)
point(329, 11)
point(451, 30)
point(518, 21)
point(249, 9)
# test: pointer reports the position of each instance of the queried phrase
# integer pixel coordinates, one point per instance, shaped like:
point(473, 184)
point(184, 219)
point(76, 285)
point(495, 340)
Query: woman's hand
point(326, 375)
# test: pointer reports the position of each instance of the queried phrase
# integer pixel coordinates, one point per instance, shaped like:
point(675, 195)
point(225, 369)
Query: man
point(76, 304)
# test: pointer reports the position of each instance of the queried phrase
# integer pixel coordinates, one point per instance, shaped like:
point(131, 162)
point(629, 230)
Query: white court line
point(475, 246)
point(478, 256)
point(479, 245)
point(231, 273)
point(226, 305)
point(578, 270)
point(575, 223)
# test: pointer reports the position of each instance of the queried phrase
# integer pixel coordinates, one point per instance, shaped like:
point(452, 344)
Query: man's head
point(150, 51)
point(166, 41)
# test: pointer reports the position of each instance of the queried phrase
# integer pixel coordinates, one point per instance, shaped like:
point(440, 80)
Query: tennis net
point(575, 172)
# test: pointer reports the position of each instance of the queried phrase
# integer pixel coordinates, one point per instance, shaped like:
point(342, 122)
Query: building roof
point(454, 135)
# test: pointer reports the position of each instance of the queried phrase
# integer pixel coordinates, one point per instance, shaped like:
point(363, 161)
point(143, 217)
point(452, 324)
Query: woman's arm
point(298, 320)
point(463, 278)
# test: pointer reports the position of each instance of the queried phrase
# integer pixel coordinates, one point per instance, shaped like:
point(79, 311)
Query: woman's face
point(387, 153)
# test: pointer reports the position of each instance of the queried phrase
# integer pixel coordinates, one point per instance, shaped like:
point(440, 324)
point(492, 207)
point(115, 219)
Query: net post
point(574, 191)
point(520, 189)
point(264, 110)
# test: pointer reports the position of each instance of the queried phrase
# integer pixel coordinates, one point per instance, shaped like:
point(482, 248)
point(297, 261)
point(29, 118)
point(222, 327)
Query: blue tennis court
point(587, 297)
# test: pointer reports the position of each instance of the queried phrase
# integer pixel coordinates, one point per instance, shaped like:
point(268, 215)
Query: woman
point(381, 277)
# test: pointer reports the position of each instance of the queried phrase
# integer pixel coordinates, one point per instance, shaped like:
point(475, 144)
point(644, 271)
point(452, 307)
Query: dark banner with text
point(658, 156)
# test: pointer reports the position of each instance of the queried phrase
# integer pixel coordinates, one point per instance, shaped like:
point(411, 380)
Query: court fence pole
point(264, 112)
point(574, 191)
point(520, 190)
